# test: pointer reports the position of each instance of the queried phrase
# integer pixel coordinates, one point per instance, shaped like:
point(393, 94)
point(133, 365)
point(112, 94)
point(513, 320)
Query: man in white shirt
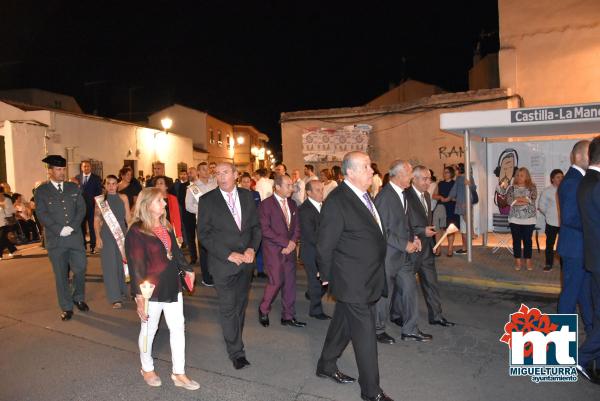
point(264, 185)
point(299, 185)
point(549, 209)
point(309, 173)
point(308, 214)
point(195, 190)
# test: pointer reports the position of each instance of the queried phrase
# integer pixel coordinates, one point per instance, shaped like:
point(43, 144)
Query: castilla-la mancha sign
point(566, 113)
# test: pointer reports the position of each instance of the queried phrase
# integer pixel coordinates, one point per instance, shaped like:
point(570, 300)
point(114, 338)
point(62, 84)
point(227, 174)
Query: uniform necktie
point(232, 207)
point(60, 188)
point(286, 215)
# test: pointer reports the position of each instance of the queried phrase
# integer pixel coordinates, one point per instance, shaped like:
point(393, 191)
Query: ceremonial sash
point(195, 191)
point(115, 228)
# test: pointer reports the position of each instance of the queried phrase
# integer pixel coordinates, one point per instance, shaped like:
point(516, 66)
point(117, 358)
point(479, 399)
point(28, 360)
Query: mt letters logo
point(542, 346)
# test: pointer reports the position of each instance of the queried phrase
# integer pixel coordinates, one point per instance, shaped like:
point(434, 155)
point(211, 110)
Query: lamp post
point(166, 123)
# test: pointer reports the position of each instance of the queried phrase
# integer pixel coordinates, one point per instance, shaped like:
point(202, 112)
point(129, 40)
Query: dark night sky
point(247, 61)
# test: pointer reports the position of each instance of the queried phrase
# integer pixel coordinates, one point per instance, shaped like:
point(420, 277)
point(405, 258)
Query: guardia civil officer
point(61, 209)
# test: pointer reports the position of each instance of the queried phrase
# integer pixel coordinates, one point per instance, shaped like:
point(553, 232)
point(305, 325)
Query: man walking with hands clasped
point(228, 225)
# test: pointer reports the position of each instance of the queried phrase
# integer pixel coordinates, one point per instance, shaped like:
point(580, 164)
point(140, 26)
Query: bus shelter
point(480, 129)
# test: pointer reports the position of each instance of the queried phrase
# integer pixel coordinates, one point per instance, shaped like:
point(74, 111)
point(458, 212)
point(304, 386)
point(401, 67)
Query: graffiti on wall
point(331, 144)
point(447, 152)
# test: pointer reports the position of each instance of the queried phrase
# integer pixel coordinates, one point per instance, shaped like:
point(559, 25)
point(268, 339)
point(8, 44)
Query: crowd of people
point(361, 238)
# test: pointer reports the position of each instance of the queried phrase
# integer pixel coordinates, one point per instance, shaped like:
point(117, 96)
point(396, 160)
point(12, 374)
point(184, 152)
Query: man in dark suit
point(308, 213)
point(280, 229)
point(420, 216)
point(401, 244)
point(351, 255)
point(61, 209)
point(91, 186)
point(229, 228)
point(158, 170)
point(576, 288)
point(588, 199)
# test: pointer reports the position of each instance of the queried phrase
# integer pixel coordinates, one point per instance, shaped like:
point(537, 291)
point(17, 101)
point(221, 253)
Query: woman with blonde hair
point(154, 256)
point(521, 196)
point(328, 183)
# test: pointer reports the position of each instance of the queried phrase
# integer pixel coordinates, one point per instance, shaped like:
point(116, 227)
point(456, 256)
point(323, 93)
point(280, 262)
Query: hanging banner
point(331, 144)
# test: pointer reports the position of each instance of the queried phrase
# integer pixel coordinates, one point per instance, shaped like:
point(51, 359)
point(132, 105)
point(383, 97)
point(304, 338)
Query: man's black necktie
point(60, 188)
point(404, 200)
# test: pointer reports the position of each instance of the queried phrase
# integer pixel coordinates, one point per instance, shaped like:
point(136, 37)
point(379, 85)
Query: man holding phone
point(420, 216)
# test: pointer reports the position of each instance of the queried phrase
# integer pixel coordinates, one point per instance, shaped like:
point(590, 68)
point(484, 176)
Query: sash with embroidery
point(115, 228)
point(195, 191)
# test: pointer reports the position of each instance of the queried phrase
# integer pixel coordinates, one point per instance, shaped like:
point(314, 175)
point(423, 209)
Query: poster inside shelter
point(540, 158)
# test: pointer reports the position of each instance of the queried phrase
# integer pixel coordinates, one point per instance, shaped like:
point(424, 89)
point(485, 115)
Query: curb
point(504, 285)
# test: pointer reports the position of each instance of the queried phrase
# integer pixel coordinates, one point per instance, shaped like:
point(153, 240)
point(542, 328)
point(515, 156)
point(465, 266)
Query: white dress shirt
point(62, 185)
point(316, 204)
point(596, 168)
point(287, 207)
point(399, 192)
point(360, 195)
point(547, 205)
point(420, 195)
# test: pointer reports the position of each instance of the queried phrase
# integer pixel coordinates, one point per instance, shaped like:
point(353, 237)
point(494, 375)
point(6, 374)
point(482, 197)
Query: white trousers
point(175, 321)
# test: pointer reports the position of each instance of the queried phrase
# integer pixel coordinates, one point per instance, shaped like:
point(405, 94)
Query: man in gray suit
point(392, 205)
point(420, 216)
point(61, 209)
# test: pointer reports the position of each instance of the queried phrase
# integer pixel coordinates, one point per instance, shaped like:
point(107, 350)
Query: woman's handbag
point(186, 281)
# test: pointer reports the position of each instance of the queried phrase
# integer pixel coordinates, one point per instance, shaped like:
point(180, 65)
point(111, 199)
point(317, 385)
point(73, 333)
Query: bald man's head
point(579, 154)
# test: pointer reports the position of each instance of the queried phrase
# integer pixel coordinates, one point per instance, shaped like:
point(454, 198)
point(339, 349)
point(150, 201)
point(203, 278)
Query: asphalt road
point(95, 356)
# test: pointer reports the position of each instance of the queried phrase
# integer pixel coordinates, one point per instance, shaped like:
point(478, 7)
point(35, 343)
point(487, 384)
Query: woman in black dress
point(128, 185)
point(444, 187)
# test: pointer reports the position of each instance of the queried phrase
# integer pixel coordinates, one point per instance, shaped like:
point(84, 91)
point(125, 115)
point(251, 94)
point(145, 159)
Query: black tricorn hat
point(55, 161)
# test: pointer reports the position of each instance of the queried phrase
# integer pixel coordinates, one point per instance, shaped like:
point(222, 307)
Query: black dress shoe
point(385, 338)
point(442, 322)
point(418, 336)
point(82, 306)
point(292, 322)
point(337, 376)
point(240, 363)
point(379, 397)
point(263, 318)
point(398, 322)
point(66, 315)
point(588, 373)
point(321, 316)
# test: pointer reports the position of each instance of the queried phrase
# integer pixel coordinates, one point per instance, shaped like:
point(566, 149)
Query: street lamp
point(240, 140)
point(269, 152)
point(166, 123)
